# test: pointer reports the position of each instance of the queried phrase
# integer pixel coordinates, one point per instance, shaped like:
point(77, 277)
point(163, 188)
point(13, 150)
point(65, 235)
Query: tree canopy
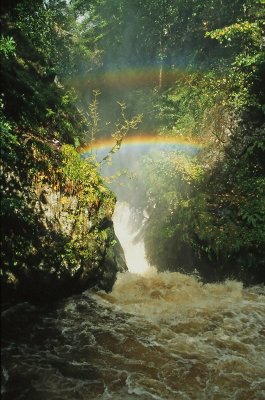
point(193, 69)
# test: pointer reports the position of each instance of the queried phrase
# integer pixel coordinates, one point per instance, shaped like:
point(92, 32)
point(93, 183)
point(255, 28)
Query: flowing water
point(155, 336)
point(124, 224)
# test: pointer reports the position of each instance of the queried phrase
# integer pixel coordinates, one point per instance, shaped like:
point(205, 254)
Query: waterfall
point(156, 335)
point(133, 248)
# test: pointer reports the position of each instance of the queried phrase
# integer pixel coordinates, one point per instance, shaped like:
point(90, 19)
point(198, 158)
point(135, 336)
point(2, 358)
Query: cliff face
point(57, 212)
point(100, 270)
point(57, 234)
point(54, 205)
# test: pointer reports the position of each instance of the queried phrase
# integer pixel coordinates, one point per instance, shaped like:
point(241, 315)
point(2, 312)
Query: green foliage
point(8, 138)
point(54, 206)
point(189, 106)
point(166, 182)
point(246, 39)
point(94, 204)
point(205, 79)
point(156, 33)
point(72, 242)
point(93, 117)
point(222, 221)
point(215, 225)
point(7, 46)
point(81, 179)
point(235, 32)
point(53, 35)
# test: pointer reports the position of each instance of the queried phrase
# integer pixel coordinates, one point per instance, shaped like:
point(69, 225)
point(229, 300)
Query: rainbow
point(132, 78)
point(159, 141)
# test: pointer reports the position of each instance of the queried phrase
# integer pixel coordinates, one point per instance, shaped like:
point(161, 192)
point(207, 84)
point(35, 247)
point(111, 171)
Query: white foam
point(134, 250)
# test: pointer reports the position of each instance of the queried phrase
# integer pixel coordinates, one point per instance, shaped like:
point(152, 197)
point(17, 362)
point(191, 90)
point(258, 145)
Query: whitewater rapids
point(162, 336)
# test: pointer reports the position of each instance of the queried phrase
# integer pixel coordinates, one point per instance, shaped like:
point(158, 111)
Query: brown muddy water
point(156, 336)
point(162, 336)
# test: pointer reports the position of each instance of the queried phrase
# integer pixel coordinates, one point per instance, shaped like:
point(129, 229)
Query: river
point(163, 336)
